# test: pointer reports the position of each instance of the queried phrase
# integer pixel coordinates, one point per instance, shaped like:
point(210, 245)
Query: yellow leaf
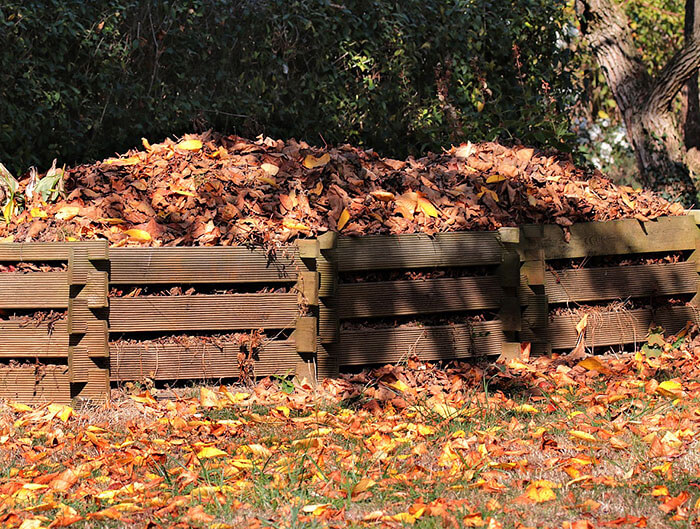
point(146, 145)
point(316, 508)
point(425, 206)
point(67, 212)
point(208, 398)
point(318, 188)
point(670, 389)
point(659, 490)
point(131, 160)
point(190, 145)
point(19, 407)
point(182, 192)
point(344, 218)
point(526, 408)
point(363, 485)
point(31, 523)
point(495, 178)
point(399, 386)
point(270, 168)
point(210, 451)
point(292, 224)
point(581, 325)
point(311, 162)
point(8, 210)
point(402, 517)
point(38, 213)
point(583, 436)
point(138, 235)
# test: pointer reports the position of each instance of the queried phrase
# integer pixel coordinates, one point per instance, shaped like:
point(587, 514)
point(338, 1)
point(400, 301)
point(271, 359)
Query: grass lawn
point(610, 441)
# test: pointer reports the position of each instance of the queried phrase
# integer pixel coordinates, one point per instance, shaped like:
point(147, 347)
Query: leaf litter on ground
point(610, 441)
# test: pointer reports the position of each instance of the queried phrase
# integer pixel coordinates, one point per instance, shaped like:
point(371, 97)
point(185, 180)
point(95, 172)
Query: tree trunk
point(645, 102)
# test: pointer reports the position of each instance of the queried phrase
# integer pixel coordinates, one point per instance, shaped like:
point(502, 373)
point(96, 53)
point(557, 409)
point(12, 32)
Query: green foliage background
point(82, 80)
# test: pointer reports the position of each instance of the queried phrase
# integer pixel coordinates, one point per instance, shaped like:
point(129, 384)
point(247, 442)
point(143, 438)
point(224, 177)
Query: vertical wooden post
point(509, 278)
point(532, 288)
point(306, 329)
point(329, 327)
point(88, 351)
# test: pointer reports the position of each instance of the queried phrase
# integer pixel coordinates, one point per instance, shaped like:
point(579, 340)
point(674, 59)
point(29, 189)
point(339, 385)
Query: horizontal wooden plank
point(399, 298)
point(205, 361)
point(36, 290)
point(615, 237)
point(51, 251)
point(622, 282)
point(444, 342)
point(203, 313)
point(21, 340)
point(225, 264)
point(388, 252)
point(32, 385)
point(614, 328)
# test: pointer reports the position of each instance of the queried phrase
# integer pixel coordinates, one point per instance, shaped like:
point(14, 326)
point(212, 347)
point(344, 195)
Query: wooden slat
point(625, 236)
point(235, 264)
point(35, 290)
point(622, 282)
point(18, 340)
point(51, 251)
point(202, 313)
point(176, 362)
point(445, 342)
point(615, 328)
point(398, 298)
point(30, 385)
point(377, 252)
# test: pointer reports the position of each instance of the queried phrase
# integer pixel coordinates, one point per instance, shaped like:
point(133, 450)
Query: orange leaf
point(344, 218)
point(363, 485)
point(67, 213)
point(197, 514)
point(540, 491)
point(311, 161)
point(384, 196)
point(672, 503)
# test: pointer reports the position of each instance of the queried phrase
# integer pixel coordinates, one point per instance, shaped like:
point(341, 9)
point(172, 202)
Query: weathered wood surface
point(399, 298)
point(236, 264)
point(35, 290)
point(388, 252)
point(621, 282)
point(51, 251)
point(613, 328)
point(198, 361)
point(625, 236)
point(203, 312)
point(444, 342)
point(20, 340)
point(32, 385)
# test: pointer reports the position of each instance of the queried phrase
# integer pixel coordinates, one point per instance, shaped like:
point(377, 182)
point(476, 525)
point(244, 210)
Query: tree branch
point(671, 79)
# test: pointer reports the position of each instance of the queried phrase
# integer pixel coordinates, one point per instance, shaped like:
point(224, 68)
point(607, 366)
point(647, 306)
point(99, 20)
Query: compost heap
point(210, 189)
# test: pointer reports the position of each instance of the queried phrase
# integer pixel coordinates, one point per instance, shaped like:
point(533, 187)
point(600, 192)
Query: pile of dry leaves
point(210, 189)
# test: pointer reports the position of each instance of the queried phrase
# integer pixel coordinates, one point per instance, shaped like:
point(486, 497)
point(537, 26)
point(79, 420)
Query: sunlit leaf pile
point(209, 189)
point(547, 442)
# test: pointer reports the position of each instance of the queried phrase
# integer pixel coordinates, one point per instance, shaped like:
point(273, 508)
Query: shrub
point(80, 80)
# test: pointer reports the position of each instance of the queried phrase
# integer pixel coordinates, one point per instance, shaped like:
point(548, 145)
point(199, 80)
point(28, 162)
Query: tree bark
point(643, 101)
point(690, 114)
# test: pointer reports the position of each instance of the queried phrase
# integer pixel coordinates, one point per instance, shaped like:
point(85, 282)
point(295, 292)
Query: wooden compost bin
point(544, 287)
point(321, 321)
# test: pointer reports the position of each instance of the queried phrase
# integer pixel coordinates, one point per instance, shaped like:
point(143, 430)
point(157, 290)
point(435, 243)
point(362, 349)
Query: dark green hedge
point(80, 80)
